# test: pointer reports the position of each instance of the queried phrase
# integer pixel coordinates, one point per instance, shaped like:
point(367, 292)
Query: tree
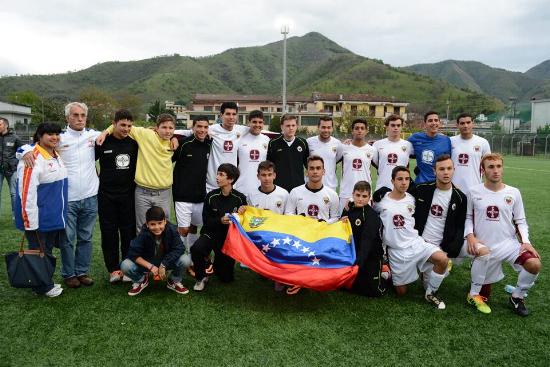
point(130, 102)
point(101, 107)
point(158, 108)
point(31, 99)
point(275, 124)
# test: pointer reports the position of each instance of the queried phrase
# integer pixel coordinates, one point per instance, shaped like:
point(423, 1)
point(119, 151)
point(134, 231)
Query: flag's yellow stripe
point(307, 229)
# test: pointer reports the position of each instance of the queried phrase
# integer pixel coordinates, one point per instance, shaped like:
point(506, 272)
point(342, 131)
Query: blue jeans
point(136, 272)
point(12, 182)
point(80, 226)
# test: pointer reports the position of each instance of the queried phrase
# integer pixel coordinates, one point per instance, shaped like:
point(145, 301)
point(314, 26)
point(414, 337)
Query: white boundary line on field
point(527, 169)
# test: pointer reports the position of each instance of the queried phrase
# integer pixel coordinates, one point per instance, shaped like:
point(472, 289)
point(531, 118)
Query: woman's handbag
point(30, 268)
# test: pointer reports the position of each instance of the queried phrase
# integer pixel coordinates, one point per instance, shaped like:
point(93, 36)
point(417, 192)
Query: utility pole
point(284, 32)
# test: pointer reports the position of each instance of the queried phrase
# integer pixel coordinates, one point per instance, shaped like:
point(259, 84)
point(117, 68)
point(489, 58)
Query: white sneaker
point(55, 291)
point(126, 279)
point(115, 276)
point(435, 301)
point(199, 286)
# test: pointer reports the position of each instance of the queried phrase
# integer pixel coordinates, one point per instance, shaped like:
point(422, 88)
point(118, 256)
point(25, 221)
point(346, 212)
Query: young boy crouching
point(156, 249)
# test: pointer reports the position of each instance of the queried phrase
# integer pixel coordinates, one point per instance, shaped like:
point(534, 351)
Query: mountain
point(540, 71)
point(496, 82)
point(314, 63)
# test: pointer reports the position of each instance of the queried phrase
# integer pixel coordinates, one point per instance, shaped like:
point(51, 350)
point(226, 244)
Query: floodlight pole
point(284, 32)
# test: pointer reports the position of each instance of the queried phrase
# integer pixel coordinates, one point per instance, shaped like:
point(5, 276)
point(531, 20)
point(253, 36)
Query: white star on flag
point(275, 242)
point(286, 241)
point(316, 261)
point(311, 253)
point(265, 248)
point(305, 249)
point(297, 244)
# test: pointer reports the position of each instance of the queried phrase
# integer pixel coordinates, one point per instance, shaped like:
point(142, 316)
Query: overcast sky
point(42, 37)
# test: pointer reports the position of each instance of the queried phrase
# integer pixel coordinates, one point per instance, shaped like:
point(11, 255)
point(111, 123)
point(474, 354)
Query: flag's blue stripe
point(331, 252)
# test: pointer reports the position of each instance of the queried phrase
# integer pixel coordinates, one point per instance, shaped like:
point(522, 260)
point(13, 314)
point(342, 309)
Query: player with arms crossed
point(467, 151)
point(407, 251)
point(327, 147)
point(494, 218)
point(356, 160)
point(391, 151)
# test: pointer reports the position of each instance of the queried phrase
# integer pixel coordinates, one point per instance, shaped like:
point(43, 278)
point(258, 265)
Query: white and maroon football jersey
point(466, 156)
point(435, 224)
point(251, 151)
point(319, 204)
point(331, 152)
point(274, 201)
point(224, 149)
point(398, 221)
point(356, 163)
point(493, 216)
point(390, 154)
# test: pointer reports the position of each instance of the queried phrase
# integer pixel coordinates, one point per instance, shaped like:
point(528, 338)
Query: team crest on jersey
point(358, 222)
point(299, 149)
point(333, 149)
point(91, 143)
point(228, 145)
point(403, 148)
point(264, 145)
point(279, 204)
point(410, 208)
point(508, 199)
point(436, 210)
point(369, 155)
point(477, 148)
point(453, 207)
point(398, 221)
point(207, 155)
point(122, 161)
point(492, 212)
point(326, 199)
point(428, 156)
point(255, 222)
point(238, 135)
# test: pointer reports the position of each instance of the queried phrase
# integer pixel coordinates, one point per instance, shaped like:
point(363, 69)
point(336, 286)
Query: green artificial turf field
point(247, 323)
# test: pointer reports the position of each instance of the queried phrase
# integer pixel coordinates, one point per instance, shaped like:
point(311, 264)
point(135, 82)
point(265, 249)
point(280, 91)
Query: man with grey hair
point(9, 142)
point(77, 150)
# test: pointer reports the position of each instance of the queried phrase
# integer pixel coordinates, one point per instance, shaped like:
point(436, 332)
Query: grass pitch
point(247, 323)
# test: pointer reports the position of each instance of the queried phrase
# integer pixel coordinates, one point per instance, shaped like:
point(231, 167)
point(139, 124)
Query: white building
point(16, 114)
point(540, 114)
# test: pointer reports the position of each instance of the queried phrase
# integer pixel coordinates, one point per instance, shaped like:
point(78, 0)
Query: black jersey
point(289, 161)
point(191, 159)
point(216, 205)
point(117, 160)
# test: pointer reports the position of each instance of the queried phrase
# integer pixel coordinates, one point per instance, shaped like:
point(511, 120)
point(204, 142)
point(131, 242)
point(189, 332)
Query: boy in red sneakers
point(157, 249)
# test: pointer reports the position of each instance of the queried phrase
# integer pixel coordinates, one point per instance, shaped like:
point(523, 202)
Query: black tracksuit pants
point(117, 221)
point(223, 264)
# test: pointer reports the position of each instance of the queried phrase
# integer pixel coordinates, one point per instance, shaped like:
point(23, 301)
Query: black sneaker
point(518, 306)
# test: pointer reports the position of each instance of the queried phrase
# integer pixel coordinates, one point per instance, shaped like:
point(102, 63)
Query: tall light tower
point(284, 32)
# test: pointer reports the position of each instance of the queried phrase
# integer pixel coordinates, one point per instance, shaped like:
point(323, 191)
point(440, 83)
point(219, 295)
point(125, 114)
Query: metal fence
point(533, 145)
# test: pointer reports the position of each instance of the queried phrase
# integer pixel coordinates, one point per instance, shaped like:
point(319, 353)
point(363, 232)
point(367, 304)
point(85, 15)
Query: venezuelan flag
point(293, 249)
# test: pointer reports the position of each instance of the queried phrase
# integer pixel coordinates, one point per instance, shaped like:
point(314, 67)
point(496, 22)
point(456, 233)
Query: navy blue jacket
point(144, 245)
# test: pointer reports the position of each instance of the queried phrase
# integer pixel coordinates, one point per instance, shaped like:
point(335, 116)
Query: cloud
point(58, 36)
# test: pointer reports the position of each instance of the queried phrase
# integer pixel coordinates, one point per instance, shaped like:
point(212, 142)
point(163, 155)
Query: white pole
point(284, 32)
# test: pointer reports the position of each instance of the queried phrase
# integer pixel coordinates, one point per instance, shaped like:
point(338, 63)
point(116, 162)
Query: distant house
point(307, 109)
point(15, 113)
point(540, 114)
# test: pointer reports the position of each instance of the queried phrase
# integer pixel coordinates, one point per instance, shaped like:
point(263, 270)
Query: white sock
point(434, 281)
point(478, 273)
point(525, 281)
